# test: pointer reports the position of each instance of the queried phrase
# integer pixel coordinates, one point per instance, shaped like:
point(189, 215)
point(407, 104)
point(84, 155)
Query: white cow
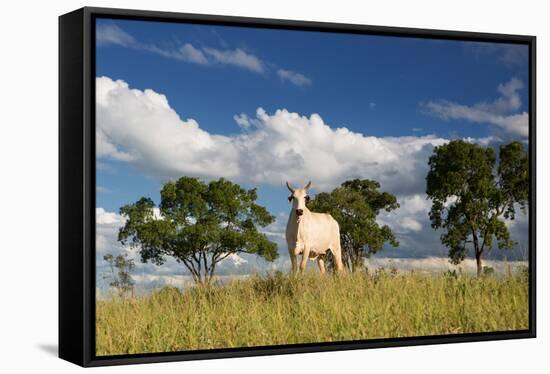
point(311, 234)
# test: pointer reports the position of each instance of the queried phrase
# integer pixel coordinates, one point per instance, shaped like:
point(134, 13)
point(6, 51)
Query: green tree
point(199, 225)
point(470, 194)
point(355, 206)
point(120, 277)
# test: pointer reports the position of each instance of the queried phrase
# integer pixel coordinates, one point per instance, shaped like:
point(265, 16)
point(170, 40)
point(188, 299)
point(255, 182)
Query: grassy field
point(280, 309)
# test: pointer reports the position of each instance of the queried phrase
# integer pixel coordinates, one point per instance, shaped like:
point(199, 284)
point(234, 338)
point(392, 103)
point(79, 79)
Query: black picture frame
point(77, 185)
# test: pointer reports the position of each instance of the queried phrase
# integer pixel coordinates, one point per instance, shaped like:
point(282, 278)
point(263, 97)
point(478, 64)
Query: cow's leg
point(291, 245)
point(305, 257)
point(321, 261)
point(337, 253)
point(293, 260)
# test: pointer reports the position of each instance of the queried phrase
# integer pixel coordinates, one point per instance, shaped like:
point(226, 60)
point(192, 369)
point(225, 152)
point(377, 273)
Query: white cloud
point(514, 55)
point(242, 120)
point(485, 141)
point(411, 216)
point(289, 146)
point(276, 230)
point(510, 55)
point(410, 224)
point(236, 259)
point(104, 217)
point(186, 52)
point(102, 189)
point(140, 127)
point(107, 34)
point(500, 112)
point(112, 34)
point(236, 57)
point(293, 77)
point(440, 264)
point(104, 167)
point(104, 148)
point(192, 54)
point(107, 225)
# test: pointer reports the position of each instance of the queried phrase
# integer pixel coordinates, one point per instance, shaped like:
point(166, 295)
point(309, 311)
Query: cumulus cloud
point(140, 127)
point(441, 264)
point(107, 225)
point(103, 217)
point(411, 215)
point(276, 230)
point(501, 112)
point(293, 77)
point(104, 147)
point(242, 120)
point(485, 141)
point(411, 225)
point(154, 137)
point(290, 146)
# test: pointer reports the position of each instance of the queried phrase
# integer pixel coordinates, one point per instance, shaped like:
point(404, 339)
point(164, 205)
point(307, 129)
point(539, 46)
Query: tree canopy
point(199, 224)
point(469, 195)
point(355, 206)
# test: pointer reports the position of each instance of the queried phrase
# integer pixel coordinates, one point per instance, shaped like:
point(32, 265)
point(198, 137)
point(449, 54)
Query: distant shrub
point(451, 274)
point(381, 273)
point(523, 272)
point(488, 271)
point(274, 284)
point(167, 293)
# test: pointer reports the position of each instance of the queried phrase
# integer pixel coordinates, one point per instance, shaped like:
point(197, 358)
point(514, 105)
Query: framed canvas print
point(236, 186)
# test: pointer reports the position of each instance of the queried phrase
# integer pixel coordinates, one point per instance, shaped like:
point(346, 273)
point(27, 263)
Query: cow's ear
point(290, 198)
point(307, 198)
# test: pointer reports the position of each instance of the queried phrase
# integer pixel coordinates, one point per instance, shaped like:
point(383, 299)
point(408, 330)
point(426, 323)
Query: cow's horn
point(308, 186)
point(289, 188)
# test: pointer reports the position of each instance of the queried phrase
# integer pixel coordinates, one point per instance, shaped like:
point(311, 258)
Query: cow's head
point(298, 197)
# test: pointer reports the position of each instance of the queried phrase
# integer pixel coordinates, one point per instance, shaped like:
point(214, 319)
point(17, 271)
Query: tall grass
point(282, 309)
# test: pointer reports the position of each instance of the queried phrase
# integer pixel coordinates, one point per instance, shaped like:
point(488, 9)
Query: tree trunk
point(478, 251)
point(356, 260)
point(346, 258)
point(358, 263)
point(479, 264)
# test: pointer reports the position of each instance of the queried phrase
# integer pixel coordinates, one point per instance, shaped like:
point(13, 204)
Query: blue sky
point(396, 98)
